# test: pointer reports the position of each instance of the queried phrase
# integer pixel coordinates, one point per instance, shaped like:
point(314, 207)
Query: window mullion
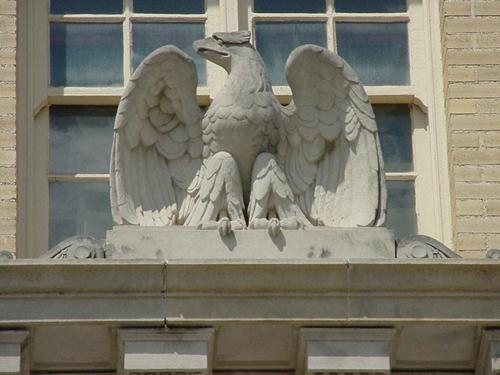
point(127, 41)
point(330, 27)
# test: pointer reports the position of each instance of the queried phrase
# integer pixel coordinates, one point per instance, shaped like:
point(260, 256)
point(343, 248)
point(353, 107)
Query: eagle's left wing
point(330, 147)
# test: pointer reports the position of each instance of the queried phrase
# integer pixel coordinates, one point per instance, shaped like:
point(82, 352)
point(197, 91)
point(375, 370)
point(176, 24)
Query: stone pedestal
point(133, 242)
point(155, 351)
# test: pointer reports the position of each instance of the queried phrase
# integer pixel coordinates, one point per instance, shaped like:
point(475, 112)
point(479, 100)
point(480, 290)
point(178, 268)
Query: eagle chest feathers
point(241, 118)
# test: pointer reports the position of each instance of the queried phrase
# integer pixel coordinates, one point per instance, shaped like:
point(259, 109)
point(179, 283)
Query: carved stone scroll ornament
point(423, 247)
point(247, 161)
point(77, 247)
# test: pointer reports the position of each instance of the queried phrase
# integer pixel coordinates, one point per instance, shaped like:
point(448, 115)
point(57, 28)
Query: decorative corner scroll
point(77, 247)
point(423, 247)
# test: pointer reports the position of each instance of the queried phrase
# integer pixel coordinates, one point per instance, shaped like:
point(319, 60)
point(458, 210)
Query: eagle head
point(224, 48)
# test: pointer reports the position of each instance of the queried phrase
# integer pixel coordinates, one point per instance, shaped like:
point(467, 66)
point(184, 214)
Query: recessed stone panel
point(252, 346)
point(434, 346)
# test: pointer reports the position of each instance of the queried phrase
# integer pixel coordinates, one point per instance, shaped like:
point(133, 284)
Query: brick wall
point(8, 125)
point(472, 79)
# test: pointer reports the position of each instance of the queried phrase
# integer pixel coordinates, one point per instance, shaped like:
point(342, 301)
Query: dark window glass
point(80, 139)
point(169, 6)
point(78, 208)
point(370, 6)
point(394, 126)
point(276, 40)
point(289, 6)
point(149, 36)
point(401, 216)
point(86, 6)
point(378, 52)
point(86, 54)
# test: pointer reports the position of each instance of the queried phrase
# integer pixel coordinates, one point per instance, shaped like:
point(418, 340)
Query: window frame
point(424, 95)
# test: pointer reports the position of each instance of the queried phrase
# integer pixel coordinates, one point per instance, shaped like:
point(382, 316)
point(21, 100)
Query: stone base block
point(133, 242)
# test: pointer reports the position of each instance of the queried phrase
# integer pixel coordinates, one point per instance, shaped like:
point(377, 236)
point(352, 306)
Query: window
point(78, 55)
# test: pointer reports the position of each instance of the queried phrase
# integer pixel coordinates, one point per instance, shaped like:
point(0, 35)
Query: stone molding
point(489, 353)
point(165, 351)
point(11, 351)
point(345, 350)
point(327, 291)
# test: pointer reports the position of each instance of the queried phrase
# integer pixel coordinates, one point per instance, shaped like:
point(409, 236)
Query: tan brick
point(459, 41)
point(7, 210)
point(478, 224)
point(475, 122)
point(471, 25)
point(7, 157)
point(469, 207)
point(463, 106)
point(468, 173)
point(465, 139)
point(457, 8)
point(8, 7)
point(7, 192)
point(490, 139)
point(487, 73)
point(7, 226)
point(7, 139)
point(487, 8)
point(7, 90)
point(7, 123)
point(471, 241)
point(492, 207)
point(7, 105)
point(472, 57)
point(477, 190)
point(7, 22)
point(7, 75)
point(493, 241)
point(8, 243)
point(475, 90)
point(461, 73)
point(7, 175)
point(491, 173)
point(488, 105)
point(474, 156)
point(488, 40)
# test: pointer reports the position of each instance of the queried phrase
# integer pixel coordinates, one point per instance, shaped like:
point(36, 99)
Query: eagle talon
point(274, 227)
point(224, 226)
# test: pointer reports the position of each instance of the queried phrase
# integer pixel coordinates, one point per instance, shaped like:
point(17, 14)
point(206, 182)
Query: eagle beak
point(211, 50)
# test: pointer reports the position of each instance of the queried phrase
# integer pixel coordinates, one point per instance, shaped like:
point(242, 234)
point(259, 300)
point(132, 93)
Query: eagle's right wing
point(157, 143)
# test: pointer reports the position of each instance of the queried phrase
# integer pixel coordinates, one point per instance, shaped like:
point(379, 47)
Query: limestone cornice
point(317, 292)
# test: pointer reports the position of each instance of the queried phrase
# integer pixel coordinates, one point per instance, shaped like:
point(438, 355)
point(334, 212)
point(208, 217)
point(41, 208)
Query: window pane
point(169, 6)
point(371, 6)
point(80, 139)
point(86, 54)
point(378, 52)
point(401, 216)
point(394, 126)
point(150, 36)
point(78, 209)
point(289, 6)
point(87, 6)
point(276, 40)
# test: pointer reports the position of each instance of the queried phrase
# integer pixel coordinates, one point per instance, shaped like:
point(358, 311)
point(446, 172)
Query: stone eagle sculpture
point(248, 161)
